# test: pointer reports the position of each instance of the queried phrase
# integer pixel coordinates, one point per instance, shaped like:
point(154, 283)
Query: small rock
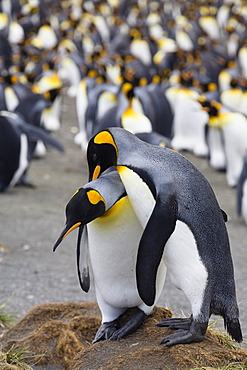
point(26, 247)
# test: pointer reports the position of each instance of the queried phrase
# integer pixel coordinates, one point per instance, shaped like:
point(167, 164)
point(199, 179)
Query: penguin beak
point(66, 230)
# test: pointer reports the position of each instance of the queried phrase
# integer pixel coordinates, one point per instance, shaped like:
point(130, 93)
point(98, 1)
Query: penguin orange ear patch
point(94, 197)
point(104, 137)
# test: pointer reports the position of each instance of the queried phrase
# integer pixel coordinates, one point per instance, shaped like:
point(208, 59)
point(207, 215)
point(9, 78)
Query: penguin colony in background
point(161, 215)
point(30, 99)
point(173, 73)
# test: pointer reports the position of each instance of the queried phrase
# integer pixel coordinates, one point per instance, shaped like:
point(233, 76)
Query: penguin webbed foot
point(176, 323)
point(131, 326)
point(106, 330)
point(195, 334)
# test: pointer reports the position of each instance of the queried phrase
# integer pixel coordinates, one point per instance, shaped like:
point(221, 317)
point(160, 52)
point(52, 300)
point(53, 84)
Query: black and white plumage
point(110, 234)
point(182, 220)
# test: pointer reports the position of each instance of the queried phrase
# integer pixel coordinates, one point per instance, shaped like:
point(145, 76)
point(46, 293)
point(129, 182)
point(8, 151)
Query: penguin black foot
point(195, 334)
point(106, 330)
point(176, 323)
point(131, 326)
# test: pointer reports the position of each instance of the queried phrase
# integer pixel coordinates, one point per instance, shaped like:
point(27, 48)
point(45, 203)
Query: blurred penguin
point(17, 143)
point(242, 191)
point(227, 140)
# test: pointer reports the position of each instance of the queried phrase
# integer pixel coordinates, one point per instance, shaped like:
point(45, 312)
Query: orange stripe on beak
point(71, 229)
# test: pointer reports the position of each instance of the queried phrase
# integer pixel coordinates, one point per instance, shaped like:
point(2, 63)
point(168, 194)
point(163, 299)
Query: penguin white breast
point(143, 203)
point(102, 28)
point(69, 73)
point(88, 45)
point(210, 26)
point(232, 98)
point(235, 138)
point(106, 101)
point(243, 104)
point(223, 15)
point(23, 162)
point(224, 80)
point(139, 194)
point(16, 33)
point(48, 36)
point(184, 265)
point(49, 117)
point(81, 103)
point(242, 57)
point(11, 98)
point(217, 158)
point(141, 50)
point(184, 41)
point(189, 121)
point(81, 107)
point(40, 150)
point(113, 245)
point(135, 122)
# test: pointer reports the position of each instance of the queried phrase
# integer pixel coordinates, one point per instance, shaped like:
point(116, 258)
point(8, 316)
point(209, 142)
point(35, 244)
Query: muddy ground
point(31, 220)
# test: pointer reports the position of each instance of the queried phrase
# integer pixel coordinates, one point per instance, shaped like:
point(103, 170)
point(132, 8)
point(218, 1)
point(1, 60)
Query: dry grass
point(62, 333)
point(7, 319)
point(17, 357)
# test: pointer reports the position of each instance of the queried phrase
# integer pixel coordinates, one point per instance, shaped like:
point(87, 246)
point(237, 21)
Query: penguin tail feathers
point(233, 328)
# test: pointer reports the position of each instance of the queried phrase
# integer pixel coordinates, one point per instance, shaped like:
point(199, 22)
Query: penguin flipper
point(159, 228)
point(33, 133)
point(83, 274)
point(36, 133)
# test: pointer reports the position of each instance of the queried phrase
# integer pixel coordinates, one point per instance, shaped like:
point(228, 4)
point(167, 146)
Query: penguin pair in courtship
point(183, 226)
point(109, 235)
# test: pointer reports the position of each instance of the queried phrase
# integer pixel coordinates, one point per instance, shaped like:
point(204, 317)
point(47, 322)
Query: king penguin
point(110, 233)
point(182, 220)
point(231, 130)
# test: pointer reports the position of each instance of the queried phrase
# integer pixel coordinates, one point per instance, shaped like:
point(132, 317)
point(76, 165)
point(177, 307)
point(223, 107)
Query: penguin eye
point(95, 157)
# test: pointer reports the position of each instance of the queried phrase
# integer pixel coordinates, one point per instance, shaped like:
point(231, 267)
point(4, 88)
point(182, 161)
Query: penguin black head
point(101, 154)
point(84, 206)
point(212, 107)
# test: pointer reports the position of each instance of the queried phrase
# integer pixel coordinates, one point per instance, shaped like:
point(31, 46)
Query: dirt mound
point(62, 334)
